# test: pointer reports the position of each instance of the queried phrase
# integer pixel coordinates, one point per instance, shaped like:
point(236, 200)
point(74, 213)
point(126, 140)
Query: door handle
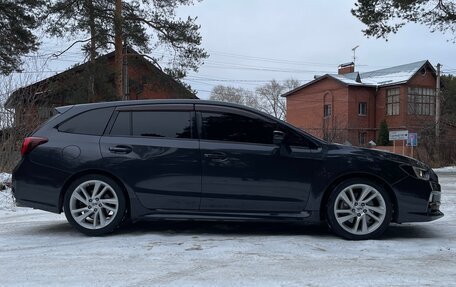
point(120, 149)
point(217, 156)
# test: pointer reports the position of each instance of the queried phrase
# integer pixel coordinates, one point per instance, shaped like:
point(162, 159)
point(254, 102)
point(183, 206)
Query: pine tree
point(143, 25)
point(383, 17)
point(383, 134)
point(449, 98)
point(18, 19)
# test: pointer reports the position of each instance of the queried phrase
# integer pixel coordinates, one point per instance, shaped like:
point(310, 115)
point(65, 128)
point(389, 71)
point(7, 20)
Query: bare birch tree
point(270, 96)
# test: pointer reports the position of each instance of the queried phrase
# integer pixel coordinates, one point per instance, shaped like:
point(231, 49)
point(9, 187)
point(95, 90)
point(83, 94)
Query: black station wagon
point(107, 163)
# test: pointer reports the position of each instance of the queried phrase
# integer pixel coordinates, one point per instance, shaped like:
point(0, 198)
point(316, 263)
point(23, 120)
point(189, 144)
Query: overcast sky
point(245, 37)
point(253, 41)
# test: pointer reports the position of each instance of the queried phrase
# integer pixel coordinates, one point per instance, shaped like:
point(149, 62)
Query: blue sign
point(412, 139)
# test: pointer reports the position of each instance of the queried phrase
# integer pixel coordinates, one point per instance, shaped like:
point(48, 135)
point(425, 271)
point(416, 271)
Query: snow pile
point(5, 178)
point(6, 197)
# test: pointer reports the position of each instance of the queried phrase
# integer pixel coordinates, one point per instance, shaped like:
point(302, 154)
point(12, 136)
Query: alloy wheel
point(360, 209)
point(93, 204)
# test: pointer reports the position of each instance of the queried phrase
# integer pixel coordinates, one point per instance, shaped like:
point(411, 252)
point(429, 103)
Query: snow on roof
point(393, 75)
point(388, 76)
point(383, 77)
point(349, 79)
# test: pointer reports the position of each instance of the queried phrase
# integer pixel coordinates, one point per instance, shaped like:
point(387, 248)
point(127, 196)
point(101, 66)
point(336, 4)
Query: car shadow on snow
point(59, 228)
point(224, 228)
point(395, 231)
point(416, 230)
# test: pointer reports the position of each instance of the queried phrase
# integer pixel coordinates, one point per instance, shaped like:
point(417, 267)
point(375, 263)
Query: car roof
point(145, 102)
point(76, 109)
point(90, 106)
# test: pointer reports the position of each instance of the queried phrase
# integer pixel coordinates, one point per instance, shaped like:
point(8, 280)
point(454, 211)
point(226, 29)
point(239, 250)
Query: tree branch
point(56, 55)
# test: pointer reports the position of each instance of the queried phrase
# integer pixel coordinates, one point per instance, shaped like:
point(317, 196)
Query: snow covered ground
point(447, 169)
point(41, 249)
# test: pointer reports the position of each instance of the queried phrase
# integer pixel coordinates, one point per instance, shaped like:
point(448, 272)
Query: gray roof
point(378, 78)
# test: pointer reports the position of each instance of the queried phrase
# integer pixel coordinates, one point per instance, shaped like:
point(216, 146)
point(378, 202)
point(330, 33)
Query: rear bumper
point(38, 186)
point(37, 205)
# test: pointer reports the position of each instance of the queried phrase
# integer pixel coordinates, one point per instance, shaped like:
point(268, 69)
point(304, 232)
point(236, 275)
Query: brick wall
point(305, 110)
point(145, 82)
point(404, 120)
point(361, 123)
point(305, 107)
point(148, 82)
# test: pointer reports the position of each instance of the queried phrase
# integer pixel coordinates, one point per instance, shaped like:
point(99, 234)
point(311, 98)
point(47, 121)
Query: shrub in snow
point(7, 201)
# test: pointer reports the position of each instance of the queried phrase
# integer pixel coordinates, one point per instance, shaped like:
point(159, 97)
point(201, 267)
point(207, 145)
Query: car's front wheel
point(358, 209)
point(94, 205)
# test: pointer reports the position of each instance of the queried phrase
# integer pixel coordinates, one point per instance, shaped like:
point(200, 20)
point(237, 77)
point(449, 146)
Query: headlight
point(421, 173)
point(418, 172)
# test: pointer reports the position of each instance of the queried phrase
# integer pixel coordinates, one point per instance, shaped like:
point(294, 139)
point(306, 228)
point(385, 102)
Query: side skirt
point(225, 216)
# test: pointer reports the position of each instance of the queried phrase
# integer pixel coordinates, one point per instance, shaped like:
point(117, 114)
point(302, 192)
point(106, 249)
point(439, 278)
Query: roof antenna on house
point(354, 53)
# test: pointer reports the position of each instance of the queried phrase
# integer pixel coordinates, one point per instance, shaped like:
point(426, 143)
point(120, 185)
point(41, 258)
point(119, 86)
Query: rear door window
point(92, 122)
point(161, 124)
point(164, 124)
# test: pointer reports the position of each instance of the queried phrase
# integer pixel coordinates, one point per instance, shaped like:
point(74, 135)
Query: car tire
point(358, 209)
point(95, 205)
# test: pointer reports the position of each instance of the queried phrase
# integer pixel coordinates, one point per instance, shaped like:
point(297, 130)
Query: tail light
point(30, 143)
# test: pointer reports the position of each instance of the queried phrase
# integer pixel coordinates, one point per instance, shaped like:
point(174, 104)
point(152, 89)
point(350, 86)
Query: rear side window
point(92, 122)
point(162, 124)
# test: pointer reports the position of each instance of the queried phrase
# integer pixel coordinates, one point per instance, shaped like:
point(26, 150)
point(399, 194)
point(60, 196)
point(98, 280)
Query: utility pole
point(126, 95)
point(93, 51)
point(437, 104)
point(119, 49)
point(437, 113)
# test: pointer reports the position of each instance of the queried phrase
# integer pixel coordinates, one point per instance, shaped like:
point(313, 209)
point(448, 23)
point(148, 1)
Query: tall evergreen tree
point(383, 17)
point(383, 134)
point(449, 98)
point(18, 19)
point(145, 25)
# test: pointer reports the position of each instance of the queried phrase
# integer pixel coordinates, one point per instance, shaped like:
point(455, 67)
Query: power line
point(262, 59)
point(236, 80)
point(36, 72)
point(205, 91)
point(275, 60)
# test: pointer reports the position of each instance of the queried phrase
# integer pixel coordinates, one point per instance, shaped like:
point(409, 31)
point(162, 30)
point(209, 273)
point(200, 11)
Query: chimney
point(346, 68)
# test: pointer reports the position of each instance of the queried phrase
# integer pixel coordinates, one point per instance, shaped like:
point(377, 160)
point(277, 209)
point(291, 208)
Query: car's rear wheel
point(359, 209)
point(94, 205)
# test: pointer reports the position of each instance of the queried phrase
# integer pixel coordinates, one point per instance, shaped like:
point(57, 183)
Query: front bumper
point(417, 200)
point(434, 205)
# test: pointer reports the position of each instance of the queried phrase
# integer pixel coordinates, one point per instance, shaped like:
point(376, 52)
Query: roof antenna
point(354, 53)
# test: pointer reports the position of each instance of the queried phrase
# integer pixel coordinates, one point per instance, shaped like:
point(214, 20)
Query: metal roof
point(378, 78)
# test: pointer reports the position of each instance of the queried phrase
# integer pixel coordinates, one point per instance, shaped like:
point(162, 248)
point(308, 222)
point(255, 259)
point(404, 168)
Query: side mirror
point(278, 137)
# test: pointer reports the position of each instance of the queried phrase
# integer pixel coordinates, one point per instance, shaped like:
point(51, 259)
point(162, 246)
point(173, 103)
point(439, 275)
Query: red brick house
point(349, 106)
point(34, 103)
